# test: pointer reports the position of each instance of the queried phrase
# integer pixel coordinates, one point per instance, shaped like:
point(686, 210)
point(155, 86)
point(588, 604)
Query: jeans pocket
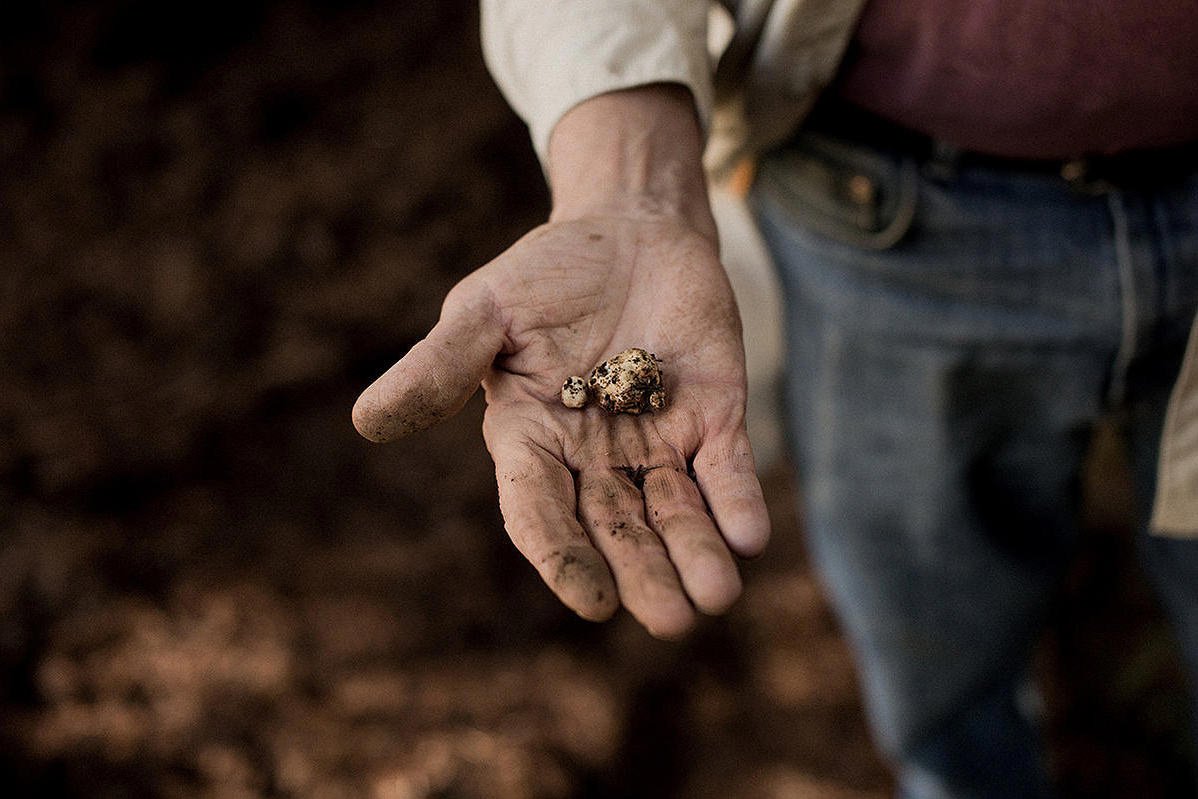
point(842, 191)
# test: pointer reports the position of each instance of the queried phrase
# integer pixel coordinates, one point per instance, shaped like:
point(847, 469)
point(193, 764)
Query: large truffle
point(628, 382)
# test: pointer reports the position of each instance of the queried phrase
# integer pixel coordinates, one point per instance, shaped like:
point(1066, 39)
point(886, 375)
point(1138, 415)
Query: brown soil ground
point(218, 222)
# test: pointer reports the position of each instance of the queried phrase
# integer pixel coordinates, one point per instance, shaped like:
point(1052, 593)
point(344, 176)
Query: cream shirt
point(548, 56)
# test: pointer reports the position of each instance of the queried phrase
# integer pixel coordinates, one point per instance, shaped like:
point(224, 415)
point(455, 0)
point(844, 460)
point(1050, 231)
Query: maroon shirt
point(1030, 78)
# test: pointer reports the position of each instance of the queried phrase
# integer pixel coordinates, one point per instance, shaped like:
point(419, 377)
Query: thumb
point(437, 376)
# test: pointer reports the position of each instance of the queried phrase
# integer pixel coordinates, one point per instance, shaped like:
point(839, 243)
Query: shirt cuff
point(549, 57)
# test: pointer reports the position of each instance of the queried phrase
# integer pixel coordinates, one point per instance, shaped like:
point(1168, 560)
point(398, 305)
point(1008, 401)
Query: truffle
point(628, 382)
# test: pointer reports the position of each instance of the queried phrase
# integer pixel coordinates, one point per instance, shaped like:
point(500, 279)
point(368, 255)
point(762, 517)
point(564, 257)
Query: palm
point(615, 508)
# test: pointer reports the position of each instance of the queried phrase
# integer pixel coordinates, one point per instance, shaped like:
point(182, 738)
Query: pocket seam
point(810, 216)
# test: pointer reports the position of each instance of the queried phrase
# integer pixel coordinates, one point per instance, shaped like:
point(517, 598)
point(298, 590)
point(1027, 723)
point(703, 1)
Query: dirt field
point(217, 224)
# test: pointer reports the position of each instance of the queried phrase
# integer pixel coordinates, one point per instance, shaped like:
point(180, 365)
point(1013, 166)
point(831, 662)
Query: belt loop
point(1082, 176)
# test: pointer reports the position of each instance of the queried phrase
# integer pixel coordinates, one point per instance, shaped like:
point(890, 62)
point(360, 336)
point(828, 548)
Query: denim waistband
point(1088, 174)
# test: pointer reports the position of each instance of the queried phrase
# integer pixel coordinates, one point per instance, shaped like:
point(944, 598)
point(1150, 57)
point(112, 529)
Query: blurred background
point(218, 222)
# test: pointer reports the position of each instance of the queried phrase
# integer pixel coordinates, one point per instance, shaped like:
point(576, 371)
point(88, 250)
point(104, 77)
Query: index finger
point(537, 499)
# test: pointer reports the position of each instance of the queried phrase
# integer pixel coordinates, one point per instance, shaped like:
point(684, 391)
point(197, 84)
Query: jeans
point(955, 331)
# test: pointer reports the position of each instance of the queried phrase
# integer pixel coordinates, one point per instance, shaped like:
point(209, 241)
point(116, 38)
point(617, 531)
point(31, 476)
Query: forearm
point(636, 152)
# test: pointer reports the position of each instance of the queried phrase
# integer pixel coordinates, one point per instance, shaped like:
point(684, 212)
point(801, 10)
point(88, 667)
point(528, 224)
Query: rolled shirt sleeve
point(549, 55)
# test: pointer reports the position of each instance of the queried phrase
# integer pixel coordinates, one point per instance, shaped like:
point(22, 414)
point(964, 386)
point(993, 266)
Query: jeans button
point(862, 190)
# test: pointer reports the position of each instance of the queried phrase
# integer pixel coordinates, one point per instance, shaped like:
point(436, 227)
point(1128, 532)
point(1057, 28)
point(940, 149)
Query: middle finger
point(677, 513)
point(611, 509)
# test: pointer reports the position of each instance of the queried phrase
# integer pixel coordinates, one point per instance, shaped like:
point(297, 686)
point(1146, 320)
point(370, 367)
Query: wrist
point(636, 152)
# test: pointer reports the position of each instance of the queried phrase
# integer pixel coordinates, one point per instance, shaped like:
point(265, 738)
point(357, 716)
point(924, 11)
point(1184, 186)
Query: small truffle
point(574, 392)
point(628, 382)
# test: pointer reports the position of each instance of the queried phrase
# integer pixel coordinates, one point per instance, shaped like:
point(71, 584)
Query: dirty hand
point(642, 510)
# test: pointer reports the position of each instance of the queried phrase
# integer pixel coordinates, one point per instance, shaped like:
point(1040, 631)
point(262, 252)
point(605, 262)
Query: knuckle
point(627, 531)
point(679, 518)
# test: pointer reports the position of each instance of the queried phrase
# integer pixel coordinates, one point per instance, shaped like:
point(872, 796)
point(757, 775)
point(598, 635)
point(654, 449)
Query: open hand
point(641, 510)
